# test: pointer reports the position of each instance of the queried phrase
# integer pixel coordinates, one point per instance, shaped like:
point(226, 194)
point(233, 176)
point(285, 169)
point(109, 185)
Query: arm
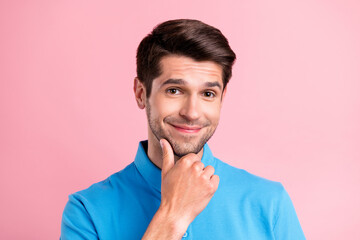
point(76, 223)
point(287, 225)
point(163, 226)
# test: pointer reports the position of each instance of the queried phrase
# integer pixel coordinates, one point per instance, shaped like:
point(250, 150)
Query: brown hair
point(184, 37)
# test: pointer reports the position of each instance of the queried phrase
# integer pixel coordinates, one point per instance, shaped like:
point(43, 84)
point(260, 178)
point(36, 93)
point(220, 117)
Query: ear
point(140, 93)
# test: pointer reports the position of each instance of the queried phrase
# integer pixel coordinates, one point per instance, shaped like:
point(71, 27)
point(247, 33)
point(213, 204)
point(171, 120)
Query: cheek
point(213, 113)
point(162, 107)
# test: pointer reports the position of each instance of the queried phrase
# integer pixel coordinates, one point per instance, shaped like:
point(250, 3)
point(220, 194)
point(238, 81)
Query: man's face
point(185, 102)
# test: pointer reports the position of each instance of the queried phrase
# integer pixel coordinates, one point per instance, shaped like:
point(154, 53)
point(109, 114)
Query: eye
point(173, 91)
point(209, 94)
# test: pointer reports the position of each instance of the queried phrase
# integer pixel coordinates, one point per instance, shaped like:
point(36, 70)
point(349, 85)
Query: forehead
point(186, 68)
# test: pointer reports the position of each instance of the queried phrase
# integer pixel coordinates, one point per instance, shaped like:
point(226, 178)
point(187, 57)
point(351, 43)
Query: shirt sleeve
point(287, 225)
point(76, 222)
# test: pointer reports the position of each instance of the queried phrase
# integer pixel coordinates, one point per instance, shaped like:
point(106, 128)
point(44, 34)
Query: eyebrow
point(183, 82)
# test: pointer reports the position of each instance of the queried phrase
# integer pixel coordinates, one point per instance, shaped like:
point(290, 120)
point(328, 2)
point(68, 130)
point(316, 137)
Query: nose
point(190, 109)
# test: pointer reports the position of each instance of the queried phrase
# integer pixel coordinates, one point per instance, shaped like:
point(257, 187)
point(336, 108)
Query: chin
point(181, 150)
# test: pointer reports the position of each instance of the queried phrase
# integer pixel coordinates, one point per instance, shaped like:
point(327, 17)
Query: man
point(171, 191)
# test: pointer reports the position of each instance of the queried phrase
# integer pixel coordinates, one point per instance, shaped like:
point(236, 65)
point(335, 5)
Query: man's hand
point(186, 189)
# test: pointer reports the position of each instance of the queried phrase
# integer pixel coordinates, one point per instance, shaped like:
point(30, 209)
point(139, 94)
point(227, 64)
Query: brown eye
point(209, 94)
point(173, 91)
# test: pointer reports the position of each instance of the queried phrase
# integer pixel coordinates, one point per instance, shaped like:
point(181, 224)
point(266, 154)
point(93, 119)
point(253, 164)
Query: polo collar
point(152, 174)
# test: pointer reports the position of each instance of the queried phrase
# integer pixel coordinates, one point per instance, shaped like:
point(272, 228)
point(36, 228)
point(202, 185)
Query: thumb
point(167, 156)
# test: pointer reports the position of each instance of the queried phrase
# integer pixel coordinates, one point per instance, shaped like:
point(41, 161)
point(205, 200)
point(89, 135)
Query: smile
point(186, 129)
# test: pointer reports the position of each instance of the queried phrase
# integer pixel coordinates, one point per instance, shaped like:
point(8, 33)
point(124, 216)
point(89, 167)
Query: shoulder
point(266, 199)
point(91, 207)
point(105, 191)
point(263, 196)
point(247, 183)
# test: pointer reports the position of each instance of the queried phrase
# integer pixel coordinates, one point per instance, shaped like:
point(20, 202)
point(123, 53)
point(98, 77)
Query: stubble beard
point(187, 145)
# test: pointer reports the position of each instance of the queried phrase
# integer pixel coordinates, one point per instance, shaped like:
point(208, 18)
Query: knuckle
point(194, 169)
point(215, 181)
point(187, 161)
point(205, 178)
point(211, 168)
point(210, 188)
point(197, 166)
point(193, 157)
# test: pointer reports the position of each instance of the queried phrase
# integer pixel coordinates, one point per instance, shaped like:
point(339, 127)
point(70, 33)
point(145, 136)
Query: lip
point(187, 129)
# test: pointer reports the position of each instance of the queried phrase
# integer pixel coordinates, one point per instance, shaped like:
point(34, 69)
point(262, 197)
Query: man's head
point(183, 67)
point(183, 37)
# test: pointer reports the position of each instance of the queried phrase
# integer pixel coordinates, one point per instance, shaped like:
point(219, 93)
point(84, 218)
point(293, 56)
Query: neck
point(154, 151)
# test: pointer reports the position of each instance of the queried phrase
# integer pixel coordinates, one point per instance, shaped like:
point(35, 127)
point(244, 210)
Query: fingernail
point(161, 144)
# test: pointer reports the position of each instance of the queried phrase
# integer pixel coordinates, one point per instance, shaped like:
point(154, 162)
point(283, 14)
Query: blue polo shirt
point(121, 207)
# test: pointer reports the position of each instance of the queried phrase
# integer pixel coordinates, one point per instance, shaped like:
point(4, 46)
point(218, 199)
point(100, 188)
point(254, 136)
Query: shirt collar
point(152, 173)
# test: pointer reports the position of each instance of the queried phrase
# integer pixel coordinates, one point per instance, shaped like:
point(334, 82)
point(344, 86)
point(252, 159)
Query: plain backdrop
point(68, 117)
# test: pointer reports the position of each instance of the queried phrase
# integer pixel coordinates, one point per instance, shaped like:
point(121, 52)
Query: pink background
point(68, 117)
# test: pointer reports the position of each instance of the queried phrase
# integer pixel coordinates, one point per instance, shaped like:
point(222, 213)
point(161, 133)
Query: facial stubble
point(185, 146)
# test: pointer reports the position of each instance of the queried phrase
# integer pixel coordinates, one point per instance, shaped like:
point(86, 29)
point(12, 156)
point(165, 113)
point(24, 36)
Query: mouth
point(186, 129)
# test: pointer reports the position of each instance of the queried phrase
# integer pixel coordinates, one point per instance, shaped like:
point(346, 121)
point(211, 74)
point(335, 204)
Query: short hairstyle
point(183, 37)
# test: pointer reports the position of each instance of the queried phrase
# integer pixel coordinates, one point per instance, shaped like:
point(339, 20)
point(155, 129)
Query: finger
point(189, 160)
point(167, 156)
point(209, 171)
point(214, 180)
point(199, 166)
